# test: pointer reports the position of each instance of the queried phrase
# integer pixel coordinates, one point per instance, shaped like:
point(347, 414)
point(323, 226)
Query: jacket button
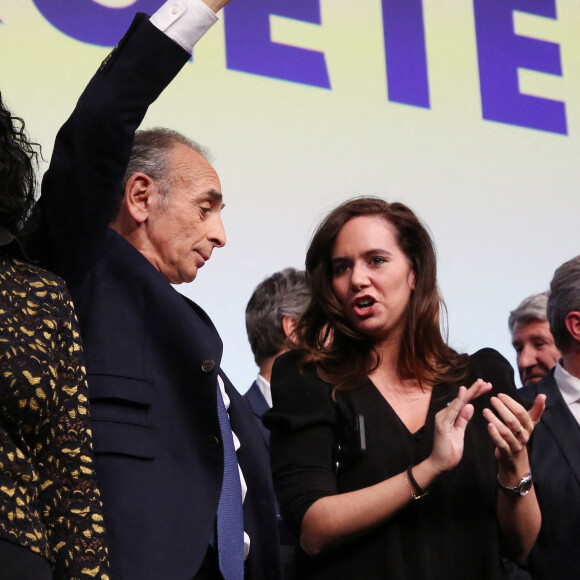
point(208, 366)
point(213, 442)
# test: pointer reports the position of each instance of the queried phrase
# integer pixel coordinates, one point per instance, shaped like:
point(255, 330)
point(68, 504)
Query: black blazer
point(153, 356)
point(555, 460)
point(259, 406)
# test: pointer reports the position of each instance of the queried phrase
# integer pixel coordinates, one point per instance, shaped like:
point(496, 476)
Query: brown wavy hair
point(343, 356)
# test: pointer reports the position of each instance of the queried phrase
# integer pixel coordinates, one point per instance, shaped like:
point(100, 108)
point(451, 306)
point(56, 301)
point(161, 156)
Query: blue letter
point(249, 47)
point(501, 53)
point(90, 22)
point(405, 53)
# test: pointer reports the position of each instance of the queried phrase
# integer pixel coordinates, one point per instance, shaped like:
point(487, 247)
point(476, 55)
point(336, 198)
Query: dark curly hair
point(18, 161)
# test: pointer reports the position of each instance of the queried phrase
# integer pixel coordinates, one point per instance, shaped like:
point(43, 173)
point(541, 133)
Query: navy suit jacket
point(153, 356)
point(259, 406)
point(555, 460)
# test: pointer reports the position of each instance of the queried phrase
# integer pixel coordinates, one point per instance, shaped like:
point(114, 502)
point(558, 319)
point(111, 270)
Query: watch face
point(525, 486)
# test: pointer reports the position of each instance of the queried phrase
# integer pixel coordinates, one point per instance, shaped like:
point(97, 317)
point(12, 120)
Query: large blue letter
point(250, 49)
point(90, 22)
point(501, 52)
point(405, 53)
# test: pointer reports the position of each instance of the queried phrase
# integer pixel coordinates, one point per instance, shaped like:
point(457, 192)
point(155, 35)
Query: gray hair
point(530, 309)
point(565, 298)
point(150, 155)
point(282, 294)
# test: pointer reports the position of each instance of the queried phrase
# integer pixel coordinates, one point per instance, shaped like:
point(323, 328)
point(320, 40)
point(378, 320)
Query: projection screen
point(466, 110)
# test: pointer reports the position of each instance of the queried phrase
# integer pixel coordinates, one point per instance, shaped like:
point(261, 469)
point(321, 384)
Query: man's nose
point(527, 357)
point(217, 233)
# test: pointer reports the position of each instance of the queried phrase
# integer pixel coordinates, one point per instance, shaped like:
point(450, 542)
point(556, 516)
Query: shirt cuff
point(184, 21)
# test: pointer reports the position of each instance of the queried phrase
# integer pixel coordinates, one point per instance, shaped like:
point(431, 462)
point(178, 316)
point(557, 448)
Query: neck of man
point(571, 360)
point(266, 367)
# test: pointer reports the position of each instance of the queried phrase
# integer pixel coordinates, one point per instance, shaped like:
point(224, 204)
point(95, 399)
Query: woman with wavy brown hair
point(388, 460)
point(51, 523)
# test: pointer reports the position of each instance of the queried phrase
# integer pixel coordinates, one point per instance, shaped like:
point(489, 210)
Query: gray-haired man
point(536, 352)
point(555, 446)
point(271, 316)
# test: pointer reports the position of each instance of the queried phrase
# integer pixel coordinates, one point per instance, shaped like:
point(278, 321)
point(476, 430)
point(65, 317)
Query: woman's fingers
point(513, 415)
point(505, 437)
point(537, 410)
point(512, 429)
point(478, 388)
point(501, 444)
point(465, 396)
point(450, 425)
point(451, 412)
point(464, 416)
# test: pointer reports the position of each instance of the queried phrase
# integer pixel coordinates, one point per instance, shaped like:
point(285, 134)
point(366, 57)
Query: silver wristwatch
point(521, 489)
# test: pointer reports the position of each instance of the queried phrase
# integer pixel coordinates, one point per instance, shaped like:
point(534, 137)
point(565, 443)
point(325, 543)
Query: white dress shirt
point(184, 21)
point(569, 386)
point(264, 387)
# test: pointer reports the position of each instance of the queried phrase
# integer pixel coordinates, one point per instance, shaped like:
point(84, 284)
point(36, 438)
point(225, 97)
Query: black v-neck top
point(316, 452)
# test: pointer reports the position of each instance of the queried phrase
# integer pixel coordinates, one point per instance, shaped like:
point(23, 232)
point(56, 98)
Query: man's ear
point(288, 325)
point(138, 194)
point(572, 322)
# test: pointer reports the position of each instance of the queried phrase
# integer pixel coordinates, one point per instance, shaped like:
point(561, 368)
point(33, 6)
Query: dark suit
point(153, 357)
point(555, 460)
point(288, 540)
point(259, 406)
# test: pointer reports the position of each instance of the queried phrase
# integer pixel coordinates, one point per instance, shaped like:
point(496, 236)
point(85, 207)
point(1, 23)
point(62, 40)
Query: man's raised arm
point(81, 189)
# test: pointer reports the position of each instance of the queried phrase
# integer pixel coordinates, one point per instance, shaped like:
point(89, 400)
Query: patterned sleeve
point(69, 493)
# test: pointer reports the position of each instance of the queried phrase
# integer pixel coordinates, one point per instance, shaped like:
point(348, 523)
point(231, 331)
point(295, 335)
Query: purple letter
point(249, 47)
point(405, 53)
point(501, 53)
point(90, 22)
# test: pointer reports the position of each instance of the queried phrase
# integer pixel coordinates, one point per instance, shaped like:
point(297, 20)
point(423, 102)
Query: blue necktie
point(230, 516)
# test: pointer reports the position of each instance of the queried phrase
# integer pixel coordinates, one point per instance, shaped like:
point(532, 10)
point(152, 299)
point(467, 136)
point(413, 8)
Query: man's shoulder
point(251, 392)
point(121, 260)
point(256, 400)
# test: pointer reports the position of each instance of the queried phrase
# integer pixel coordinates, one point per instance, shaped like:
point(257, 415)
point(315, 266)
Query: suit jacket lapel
point(257, 401)
point(560, 422)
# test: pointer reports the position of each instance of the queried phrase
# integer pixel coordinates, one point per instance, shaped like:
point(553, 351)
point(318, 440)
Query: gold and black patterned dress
point(49, 500)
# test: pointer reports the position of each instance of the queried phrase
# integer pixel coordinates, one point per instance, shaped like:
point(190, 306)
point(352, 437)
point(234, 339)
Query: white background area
point(501, 201)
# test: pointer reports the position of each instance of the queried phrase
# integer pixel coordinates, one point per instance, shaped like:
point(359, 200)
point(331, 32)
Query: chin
point(532, 381)
point(183, 278)
point(372, 332)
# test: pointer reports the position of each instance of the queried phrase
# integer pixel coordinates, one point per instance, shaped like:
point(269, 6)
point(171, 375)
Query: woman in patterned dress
point(51, 523)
